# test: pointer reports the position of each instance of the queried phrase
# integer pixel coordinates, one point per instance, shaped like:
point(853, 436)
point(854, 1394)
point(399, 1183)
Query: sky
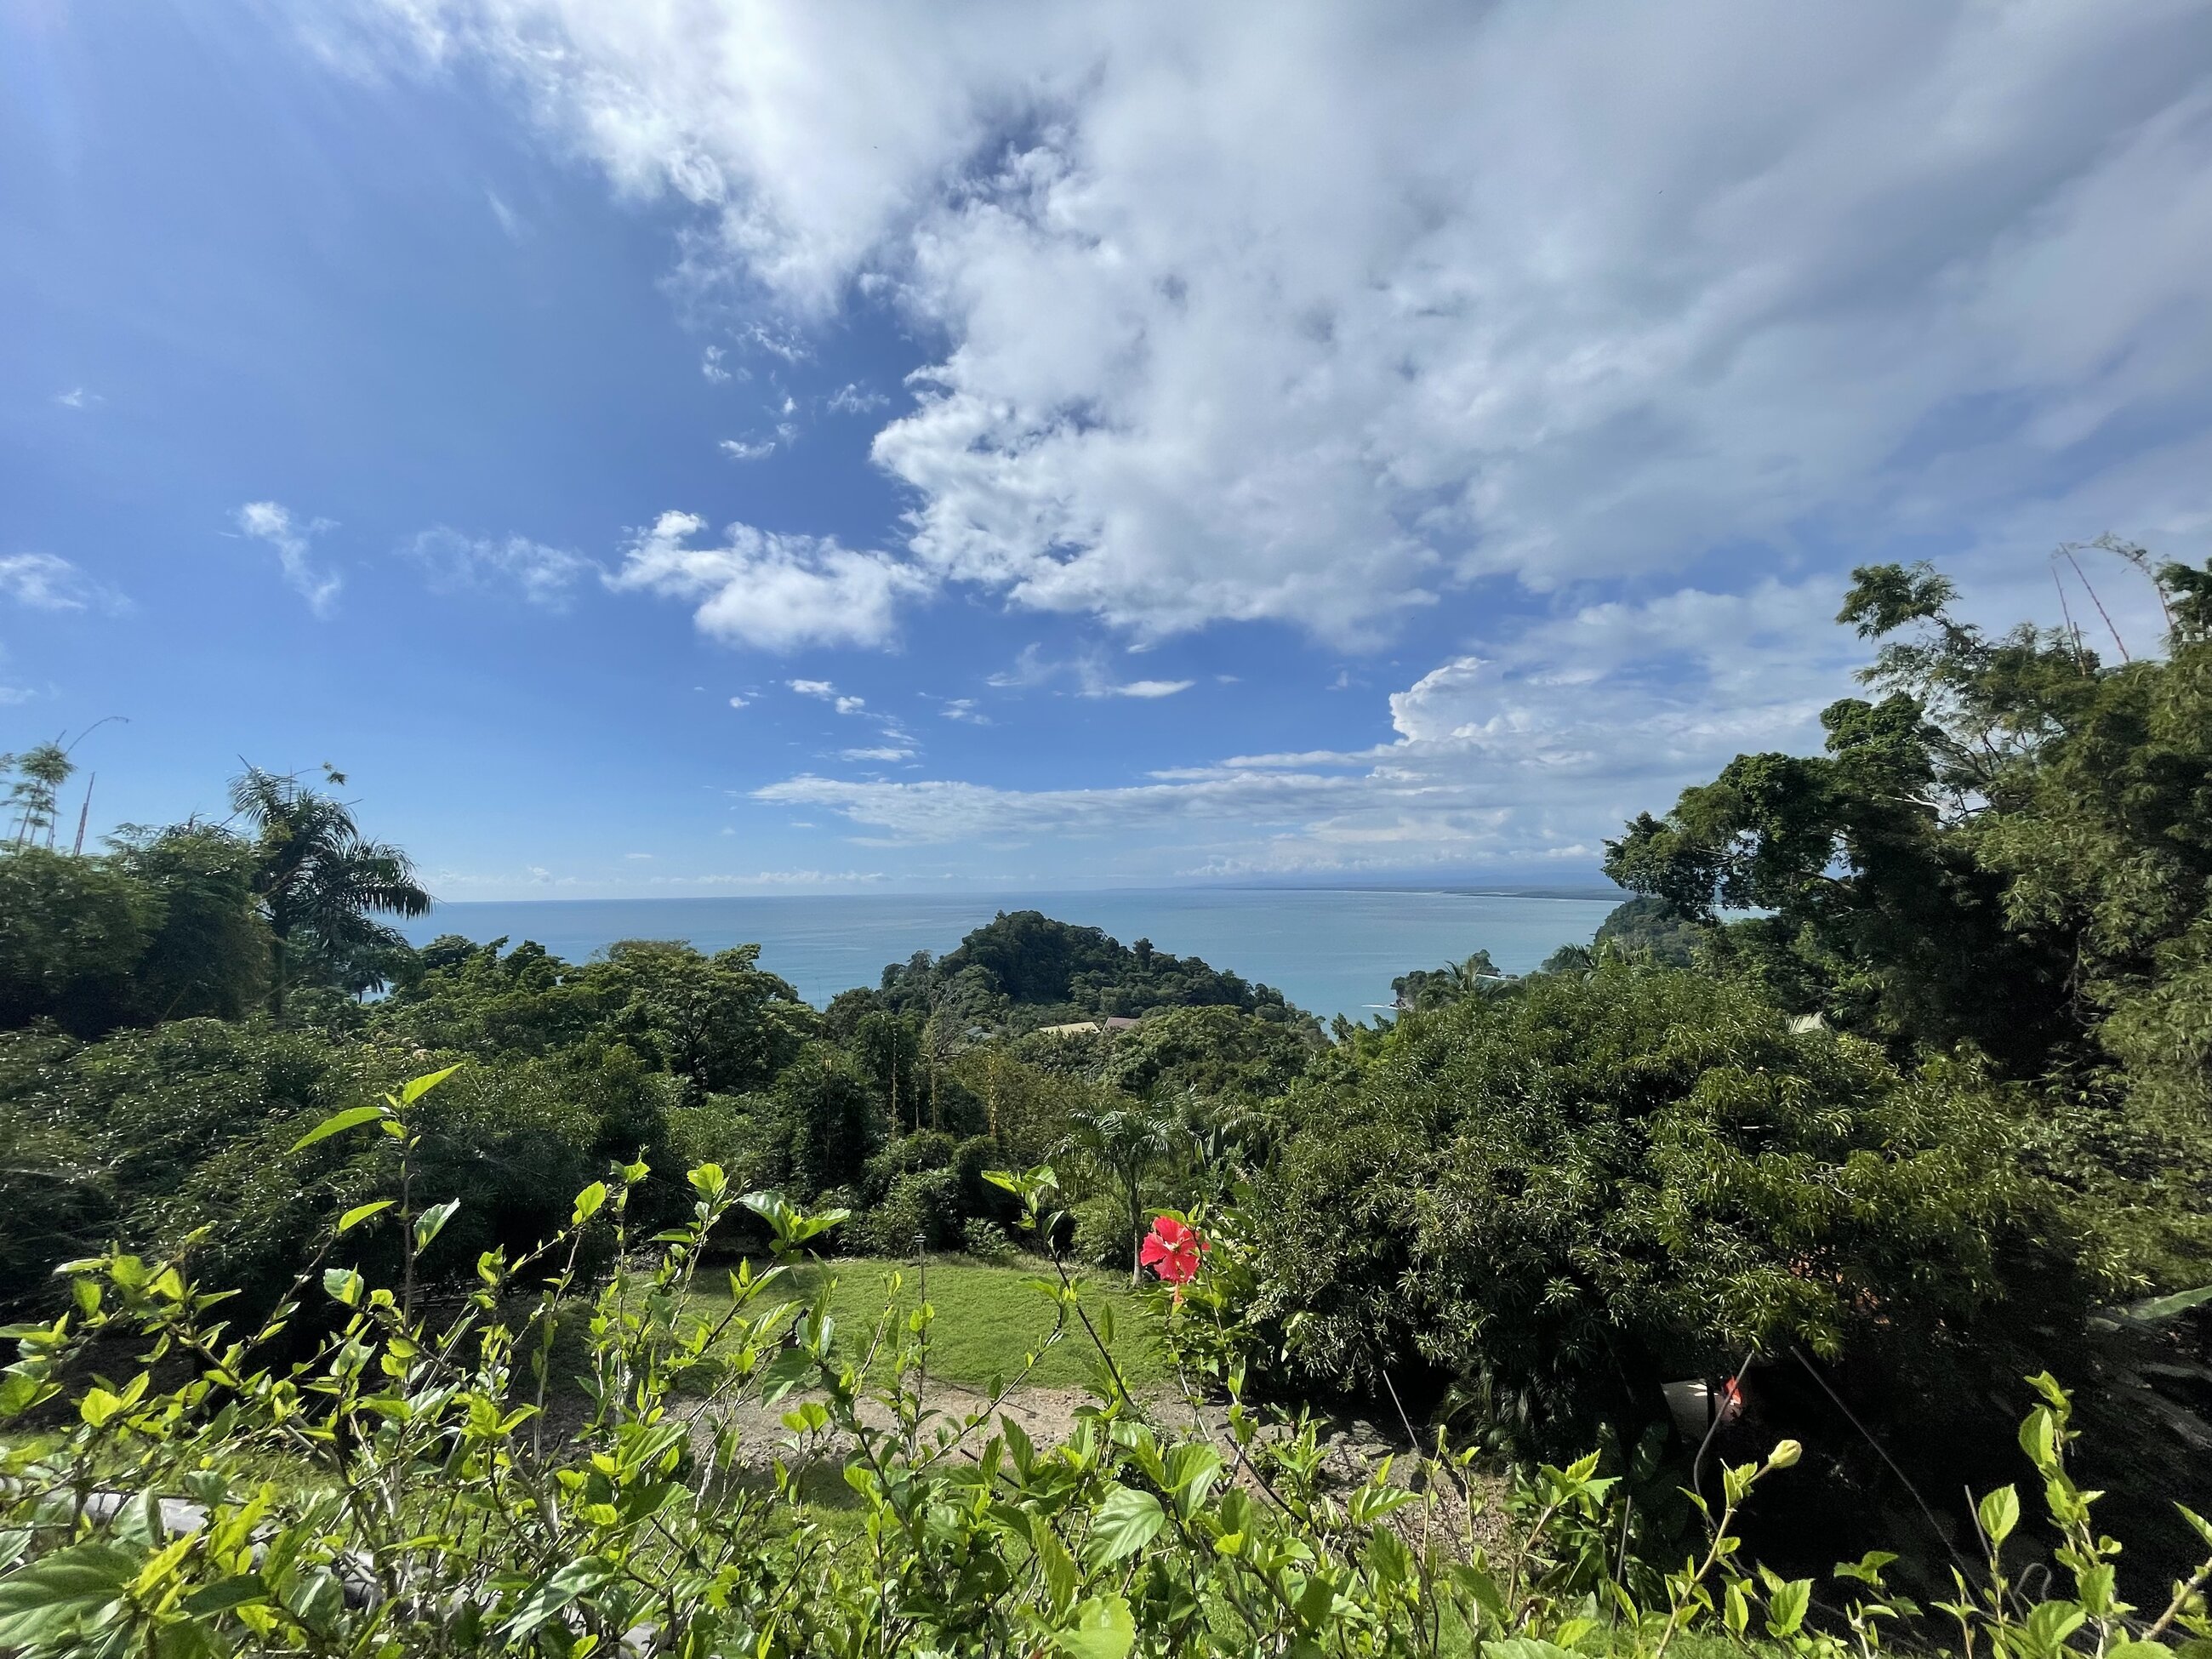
point(684, 446)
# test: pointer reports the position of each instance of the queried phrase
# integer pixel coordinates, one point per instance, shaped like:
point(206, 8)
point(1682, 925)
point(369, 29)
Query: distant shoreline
point(1584, 894)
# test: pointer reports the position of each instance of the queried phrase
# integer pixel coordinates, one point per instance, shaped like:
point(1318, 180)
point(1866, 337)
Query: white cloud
point(853, 399)
point(738, 450)
point(851, 705)
point(964, 708)
point(887, 752)
point(78, 397)
point(776, 879)
point(46, 581)
point(1143, 688)
point(739, 702)
point(1030, 667)
point(542, 575)
point(270, 522)
point(1322, 321)
point(510, 221)
point(813, 688)
point(1498, 757)
point(710, 366)
point(773, 593)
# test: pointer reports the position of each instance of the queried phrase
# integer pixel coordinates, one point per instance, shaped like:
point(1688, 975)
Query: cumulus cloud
point(293, 538)
point(542, 575)
point(1350, 311)
point(813, 688)
point(46, 581)
point(770, 591)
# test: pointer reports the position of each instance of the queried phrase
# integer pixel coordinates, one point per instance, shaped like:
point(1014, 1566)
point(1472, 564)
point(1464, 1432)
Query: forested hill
point(1023, 970)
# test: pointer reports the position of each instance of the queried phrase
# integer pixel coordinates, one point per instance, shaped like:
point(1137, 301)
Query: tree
point(888, 1050)
point(317, 879)
point(35, 796)
point(71, 933)
point(1212, 1050)
point(209, 954)
point(722, 1023)
point(1439, 988)
point(1646, 923)
point(1127, 1143)
point(829, 1120)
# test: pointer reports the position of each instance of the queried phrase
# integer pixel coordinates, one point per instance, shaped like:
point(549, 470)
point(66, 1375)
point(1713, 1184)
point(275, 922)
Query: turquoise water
point(1326, 951)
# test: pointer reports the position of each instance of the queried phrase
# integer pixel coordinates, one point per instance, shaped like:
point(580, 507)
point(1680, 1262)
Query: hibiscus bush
point(416, 1485)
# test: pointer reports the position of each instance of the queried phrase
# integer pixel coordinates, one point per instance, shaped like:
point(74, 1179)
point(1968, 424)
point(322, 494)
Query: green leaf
point(1527, 1647)
point(2000, 1514)
point(45, 1601)
point(1786, 1606)
point(337, 1124)
point(2165, 1307)
point(432, 1222)
point(1103, 1628)
point(2039, 1438)
point(1061, 1577)
point(419, 1086)
point(227, 1592)
point(588, 1202)
point(1387, 1559)
point(1316, 1600)
point(549, 1597)
point(1126, 1521)
point(2197, 1524)
point(792, 1369)
point(1192, 1468)
point(361, 1212)
point(343, 1285)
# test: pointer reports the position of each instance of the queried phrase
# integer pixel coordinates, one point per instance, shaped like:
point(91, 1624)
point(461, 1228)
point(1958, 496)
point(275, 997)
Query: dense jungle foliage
point(1887, 1089)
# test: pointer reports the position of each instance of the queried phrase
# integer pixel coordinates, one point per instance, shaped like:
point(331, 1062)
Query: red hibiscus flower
point(1171, 1250)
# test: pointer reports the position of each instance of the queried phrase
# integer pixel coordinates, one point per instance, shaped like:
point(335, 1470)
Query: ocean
point(1331, 951)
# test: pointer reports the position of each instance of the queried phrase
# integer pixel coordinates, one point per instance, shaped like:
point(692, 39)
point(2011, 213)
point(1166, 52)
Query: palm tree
point(1126, 1141)
point(316, 876)
point(36, 795)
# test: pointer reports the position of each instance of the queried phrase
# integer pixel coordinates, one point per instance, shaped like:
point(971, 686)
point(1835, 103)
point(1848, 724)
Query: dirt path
point(1352, 1447)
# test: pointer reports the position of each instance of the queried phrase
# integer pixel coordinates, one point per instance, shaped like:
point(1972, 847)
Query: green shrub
point(986, 1240)
point(1561, 1197)
point(922, 1206)
point(1101, 1231)
point(430, 1508)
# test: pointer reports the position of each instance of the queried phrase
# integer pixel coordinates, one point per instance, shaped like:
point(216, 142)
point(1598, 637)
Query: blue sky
point(754, 447)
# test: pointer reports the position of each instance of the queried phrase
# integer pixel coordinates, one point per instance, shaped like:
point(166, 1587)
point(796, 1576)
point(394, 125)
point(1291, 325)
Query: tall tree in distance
point(35, 796)
point(316, 878)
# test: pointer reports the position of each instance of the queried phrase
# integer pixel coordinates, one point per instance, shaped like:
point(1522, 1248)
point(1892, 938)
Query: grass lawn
point(988, 1319)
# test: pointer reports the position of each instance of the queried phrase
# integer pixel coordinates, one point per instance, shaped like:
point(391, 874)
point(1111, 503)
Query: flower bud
point(1784, 1454)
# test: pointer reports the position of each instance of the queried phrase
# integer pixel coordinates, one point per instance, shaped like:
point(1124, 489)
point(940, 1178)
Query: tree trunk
point(277, 964)
point(1136, 1235)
